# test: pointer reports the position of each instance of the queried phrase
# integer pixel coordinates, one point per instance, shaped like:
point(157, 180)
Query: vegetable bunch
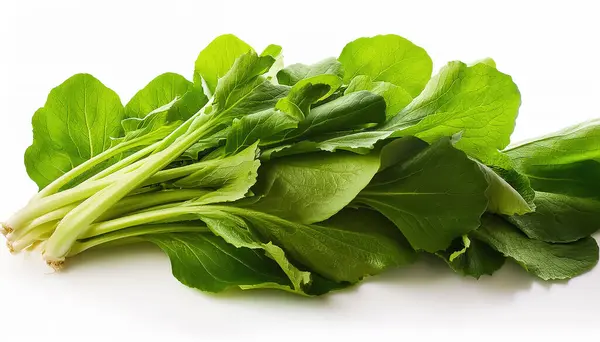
point(310, 177)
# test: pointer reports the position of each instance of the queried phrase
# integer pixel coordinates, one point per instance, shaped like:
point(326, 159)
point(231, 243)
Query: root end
point(5, 229)
point(10, 247)
point(56, 265)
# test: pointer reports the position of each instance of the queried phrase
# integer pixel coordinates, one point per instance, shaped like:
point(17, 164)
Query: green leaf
point(560, 218)
point(570, 145)
point(545, 260)
point(396, 98)
point(217, 58)
point(76, 123)
point(306, 92)
point(160, 91)
point(563, 168)
point(389, 58)
point(426, 195)
point(230, 178)
point(188, 105)
point(237, 232)
point(242, 90)
point(208, 263)
point(474, 259)
point(355, 110)
point(296, 72)
point(359, 142)
point(478, 101)
point(502, 197)
point(517, 181)
point(312, 187)
point(347, 247)
point(565, 162)
point(257, 127)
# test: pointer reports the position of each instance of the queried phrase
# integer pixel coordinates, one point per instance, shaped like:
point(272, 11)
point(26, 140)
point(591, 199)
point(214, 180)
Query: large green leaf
point(389, 58)
point(312, 187)
point(425, 194)
point(560, 218)
point(573, 144)
point(159, 92)
point(545, 260)
point(294, 73)
point(565, 162)
point(237, 232)
point(346, 248)
point(563, 168)
point(477, 101)
point(208, 263)
point(76, 123)
point(217, 58)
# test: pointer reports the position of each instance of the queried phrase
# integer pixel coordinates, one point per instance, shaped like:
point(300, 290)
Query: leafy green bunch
point(310, 177)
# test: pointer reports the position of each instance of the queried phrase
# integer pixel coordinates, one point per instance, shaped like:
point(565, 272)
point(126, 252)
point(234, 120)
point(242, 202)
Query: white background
point(550, 48)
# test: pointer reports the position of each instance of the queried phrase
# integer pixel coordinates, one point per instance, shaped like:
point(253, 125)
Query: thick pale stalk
point(124, 236)
point(79, 219)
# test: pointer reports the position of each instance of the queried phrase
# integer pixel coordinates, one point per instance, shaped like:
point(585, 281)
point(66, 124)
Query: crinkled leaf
point(292, 74)
point(230, 178)
point(76, 123)
point(545, 260)
point(389, 58)
point(217, 58)
point(426, 195)
point(477, 101)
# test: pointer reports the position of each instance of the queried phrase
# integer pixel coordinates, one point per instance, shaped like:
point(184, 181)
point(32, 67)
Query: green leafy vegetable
point(311, 177)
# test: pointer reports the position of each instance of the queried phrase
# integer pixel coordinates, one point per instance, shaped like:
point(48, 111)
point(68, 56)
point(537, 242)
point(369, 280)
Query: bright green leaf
point(76, 123)
point(477, 101)
point(389, 58)
point(217, 58)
